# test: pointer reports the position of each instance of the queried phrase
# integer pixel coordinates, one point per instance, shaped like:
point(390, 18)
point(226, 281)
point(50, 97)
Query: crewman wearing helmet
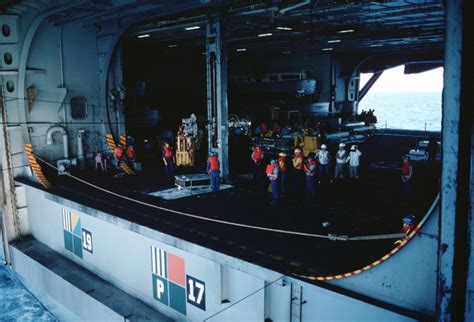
point(119, 154)
point(298, 178)
point(341, 160)
point(169, 161)
point(213, 168)
point(272, 172)
point(257, 158)
point(131, 155)
point(354, 162)
point(282, 168)
point(324, 158)
point(407, 179)
point(310, 172)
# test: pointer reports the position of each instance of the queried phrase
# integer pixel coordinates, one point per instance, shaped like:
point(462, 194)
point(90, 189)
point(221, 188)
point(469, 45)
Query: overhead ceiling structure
point(261, 26)
point(314, 26)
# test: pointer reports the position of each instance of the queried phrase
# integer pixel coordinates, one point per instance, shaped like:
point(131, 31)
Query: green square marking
point(160, 289)
point(178, 298)
point(68, 241)
point(77, 244)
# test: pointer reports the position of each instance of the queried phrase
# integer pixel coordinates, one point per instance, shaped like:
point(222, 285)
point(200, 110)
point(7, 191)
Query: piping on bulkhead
point(49, 138)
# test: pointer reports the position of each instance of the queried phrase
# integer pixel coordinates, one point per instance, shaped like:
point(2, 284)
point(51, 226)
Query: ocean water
point(406, 110)
point(17, 304)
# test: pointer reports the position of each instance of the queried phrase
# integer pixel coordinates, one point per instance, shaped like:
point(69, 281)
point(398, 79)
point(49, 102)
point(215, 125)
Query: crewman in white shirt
point(341, 160)
point(323, 158)
point(354, 162)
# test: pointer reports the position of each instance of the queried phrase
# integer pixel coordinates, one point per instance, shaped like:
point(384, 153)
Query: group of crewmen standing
point(121, 153)
point(307, 170)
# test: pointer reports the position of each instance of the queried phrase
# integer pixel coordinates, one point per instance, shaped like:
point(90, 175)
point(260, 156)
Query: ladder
point(296, 303)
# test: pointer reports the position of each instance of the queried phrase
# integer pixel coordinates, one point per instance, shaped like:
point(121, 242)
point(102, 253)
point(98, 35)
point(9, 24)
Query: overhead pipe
point(61, 56)
point(256, 11)
point(295, 6)
point(49, 138)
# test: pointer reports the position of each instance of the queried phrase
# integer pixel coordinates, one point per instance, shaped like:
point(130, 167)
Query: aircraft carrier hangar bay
point(100, 233)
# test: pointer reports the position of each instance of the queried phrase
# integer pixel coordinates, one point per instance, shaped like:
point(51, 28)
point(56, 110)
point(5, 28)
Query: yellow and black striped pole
point(36, 167)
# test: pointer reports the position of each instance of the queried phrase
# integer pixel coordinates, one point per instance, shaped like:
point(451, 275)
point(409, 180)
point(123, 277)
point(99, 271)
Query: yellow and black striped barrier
point(36, 167)
point(111, 142)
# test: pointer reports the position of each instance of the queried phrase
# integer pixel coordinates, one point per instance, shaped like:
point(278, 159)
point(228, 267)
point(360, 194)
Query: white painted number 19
point(87, 240)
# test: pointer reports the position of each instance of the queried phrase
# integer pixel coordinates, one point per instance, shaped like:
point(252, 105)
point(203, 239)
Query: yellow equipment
point(307, 143)
point(185, 151)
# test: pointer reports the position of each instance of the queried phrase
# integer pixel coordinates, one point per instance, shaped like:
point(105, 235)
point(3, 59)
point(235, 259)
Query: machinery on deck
point(185, 141)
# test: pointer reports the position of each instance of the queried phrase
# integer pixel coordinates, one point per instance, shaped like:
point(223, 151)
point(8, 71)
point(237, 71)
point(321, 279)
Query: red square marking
point(176, 270)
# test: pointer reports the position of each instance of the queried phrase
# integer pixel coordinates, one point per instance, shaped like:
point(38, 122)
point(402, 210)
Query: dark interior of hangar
point(325, 41)
point(291, 67)
point(289, 73)
point(169, 80)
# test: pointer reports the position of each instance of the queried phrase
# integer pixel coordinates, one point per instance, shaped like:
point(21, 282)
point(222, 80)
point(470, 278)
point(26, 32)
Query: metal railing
point(428, 126)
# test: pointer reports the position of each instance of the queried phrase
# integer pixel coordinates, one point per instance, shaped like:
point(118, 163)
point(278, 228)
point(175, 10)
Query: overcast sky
point(393, 80)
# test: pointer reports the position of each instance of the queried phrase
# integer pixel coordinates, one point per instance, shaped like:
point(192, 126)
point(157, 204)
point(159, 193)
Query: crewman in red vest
point(408, 224)
point(257, 157)
point(298, 177)
point(282, 167)
point(118, 154)
point(407, 179)
point(213, 168)
point(407, 228)
point(310, 171)
point(131, 155)
point(272, 172)
point(169, 161)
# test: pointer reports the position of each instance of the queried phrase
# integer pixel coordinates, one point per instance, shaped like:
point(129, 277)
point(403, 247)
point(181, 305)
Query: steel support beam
point(467, 90)
point(455, 253)
point(369, 85)
point(469, 310)
point(217, 108)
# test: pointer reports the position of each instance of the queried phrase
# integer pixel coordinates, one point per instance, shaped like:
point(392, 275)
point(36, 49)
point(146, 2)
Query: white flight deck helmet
point(354, 147)
point(324, 146)
point(342, 145)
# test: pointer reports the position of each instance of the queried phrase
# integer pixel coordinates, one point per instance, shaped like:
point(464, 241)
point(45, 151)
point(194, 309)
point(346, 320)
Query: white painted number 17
point(200, 288)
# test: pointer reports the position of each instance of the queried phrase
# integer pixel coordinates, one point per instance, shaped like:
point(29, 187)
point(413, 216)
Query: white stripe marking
point(162, 263)
point(153, 260)
point(64, 219)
